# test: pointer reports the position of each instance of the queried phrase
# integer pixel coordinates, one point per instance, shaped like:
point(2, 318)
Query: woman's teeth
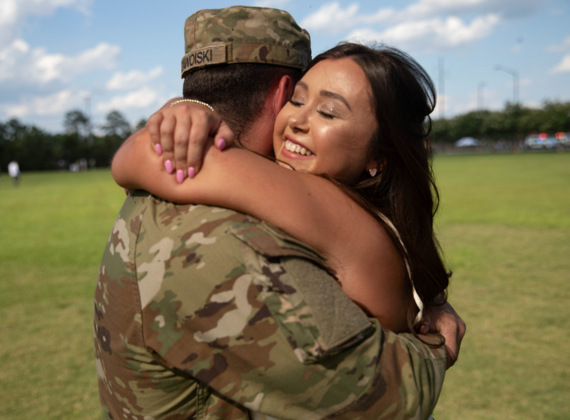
point(295, 148)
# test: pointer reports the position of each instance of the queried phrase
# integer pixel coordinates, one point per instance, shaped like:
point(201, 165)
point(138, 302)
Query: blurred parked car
point(543, 141)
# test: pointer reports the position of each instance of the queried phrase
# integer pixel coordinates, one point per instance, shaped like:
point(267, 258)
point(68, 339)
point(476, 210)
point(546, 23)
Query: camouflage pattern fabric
point(206, 313)
point(242, 34)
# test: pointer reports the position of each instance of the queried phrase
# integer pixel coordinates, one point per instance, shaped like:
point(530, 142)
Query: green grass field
point(504, 225)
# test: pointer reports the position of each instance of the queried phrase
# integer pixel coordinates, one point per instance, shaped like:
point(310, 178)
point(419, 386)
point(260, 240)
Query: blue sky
point(125, 54)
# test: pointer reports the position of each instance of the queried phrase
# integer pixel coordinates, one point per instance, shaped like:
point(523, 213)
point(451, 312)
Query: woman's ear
point(374, 167)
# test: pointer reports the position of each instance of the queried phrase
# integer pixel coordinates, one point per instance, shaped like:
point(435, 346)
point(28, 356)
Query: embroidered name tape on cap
point(204, 57)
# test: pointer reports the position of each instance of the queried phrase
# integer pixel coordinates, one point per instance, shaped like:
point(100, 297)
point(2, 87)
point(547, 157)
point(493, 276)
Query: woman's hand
point(445, 321)
point(179, 132)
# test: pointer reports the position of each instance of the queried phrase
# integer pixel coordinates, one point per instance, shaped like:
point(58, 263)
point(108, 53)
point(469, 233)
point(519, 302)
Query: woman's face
point(327, 125)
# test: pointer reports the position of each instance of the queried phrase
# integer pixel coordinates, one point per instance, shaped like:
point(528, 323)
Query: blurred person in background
point(14, 171)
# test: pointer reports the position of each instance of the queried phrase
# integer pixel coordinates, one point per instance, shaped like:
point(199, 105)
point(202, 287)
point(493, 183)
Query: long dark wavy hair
point(403, 97)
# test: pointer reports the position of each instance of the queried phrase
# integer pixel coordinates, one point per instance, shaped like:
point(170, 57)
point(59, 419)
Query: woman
point(357, 118)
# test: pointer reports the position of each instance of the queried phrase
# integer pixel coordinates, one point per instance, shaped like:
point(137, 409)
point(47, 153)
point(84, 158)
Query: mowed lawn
point(505, 229)
point(54, 227)
point(504, 224)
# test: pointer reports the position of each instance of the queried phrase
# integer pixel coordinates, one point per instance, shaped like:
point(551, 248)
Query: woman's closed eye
point(296, 104)
point(326, 114)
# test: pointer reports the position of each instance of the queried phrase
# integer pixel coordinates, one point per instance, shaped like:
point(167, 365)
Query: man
point(203, 312)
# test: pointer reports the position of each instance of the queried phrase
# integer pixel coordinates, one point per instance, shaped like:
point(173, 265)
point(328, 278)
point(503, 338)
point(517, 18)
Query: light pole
point(87, 98)
point(480, 95)
point(441, 88)
point(515, 75)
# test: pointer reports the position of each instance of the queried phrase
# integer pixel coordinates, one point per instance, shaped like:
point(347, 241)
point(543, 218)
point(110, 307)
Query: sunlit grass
point(504, 225)
point(505, 228)
point(53, 229)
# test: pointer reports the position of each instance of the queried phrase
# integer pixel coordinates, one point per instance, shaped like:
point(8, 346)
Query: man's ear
point(283, 92)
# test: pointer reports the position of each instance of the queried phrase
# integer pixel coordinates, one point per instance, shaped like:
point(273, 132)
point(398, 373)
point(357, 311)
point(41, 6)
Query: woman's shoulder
point(376, 279)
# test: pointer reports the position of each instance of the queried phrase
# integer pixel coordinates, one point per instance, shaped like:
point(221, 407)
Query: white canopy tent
point(466, 142)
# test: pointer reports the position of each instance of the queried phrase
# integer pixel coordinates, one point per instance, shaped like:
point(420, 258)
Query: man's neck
point(259, 136)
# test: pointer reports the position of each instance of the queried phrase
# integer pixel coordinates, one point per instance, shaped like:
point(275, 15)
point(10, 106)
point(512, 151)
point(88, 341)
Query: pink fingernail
point(168, 166)
point(191, 173)
point(179, 176)
point(221, 144)
point(158, 149)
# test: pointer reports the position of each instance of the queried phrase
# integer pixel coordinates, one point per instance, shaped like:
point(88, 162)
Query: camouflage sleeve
point(264, 325)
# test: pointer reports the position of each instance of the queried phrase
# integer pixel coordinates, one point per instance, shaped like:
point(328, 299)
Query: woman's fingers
point(185, 124)
point(153, 126)
point(180, 133)
point(203, 125)
point(224, 138)
point(444, 320)
point(167, 141)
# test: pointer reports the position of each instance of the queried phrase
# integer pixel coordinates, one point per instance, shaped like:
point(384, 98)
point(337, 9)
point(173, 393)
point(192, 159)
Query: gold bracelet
point(193, 101)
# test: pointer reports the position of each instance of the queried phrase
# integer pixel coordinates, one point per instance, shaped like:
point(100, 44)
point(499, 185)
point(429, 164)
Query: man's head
point(237, 56)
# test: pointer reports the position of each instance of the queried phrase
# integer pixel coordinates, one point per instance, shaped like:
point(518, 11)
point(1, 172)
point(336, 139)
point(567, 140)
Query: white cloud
point(133, 79)
point(14, 12)
point(23, 65)
point(525, 82)
point(431, 35)
point(441, 102)
point(277, 4)
point(140, 98)
point(560, 47)
point(558, 11)
point(563, 66)
point(466, 102)
point(510, 8)
point(54, 104)
point(332, 18)
point(533, 104)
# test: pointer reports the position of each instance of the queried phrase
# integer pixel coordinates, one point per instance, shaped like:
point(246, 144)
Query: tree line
point(38, 150)
point(515, 122)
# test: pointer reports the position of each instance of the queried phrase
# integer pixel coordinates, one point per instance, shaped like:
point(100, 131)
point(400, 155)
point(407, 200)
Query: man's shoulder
point(269, 241)
point(167, 219)
point(170, 216)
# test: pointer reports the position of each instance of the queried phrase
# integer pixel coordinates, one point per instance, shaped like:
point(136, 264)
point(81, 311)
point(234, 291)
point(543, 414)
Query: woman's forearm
point(309, 208)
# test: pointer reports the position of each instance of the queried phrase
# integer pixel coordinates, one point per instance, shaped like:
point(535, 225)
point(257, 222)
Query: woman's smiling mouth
point(297, 149)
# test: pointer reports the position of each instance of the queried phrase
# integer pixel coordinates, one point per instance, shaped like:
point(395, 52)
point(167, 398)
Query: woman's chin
point(284, 164)
point(303, 165)
point(296, 161)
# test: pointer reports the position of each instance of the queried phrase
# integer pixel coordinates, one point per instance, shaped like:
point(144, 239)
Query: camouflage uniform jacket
point(206, 313)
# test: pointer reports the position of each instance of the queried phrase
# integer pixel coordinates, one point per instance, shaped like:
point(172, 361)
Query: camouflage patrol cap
point(243, 34)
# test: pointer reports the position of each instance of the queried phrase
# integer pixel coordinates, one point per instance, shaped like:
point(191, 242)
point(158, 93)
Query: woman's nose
point(299, 120)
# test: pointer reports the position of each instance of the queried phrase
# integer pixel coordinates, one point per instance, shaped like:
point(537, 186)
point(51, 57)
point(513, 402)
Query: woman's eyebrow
point(335, 96)
point(326, 93)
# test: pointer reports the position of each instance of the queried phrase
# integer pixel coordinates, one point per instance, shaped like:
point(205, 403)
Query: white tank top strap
point(417, 298)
